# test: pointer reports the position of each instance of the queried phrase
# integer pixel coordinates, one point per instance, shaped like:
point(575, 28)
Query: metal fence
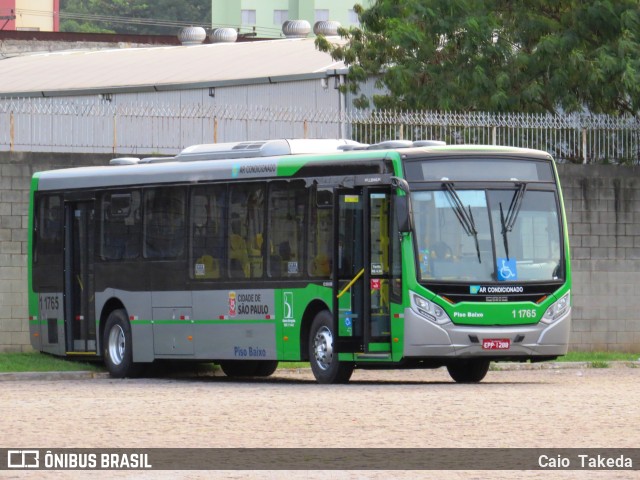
point(102, 126)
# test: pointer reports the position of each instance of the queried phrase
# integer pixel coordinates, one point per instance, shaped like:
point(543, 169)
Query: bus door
point(79, 305)
point(362, 276)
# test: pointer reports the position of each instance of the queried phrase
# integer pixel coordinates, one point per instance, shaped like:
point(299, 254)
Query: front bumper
point(424, 339)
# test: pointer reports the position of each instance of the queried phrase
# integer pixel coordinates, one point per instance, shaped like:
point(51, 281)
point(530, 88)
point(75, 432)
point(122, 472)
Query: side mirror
point(402, 205)
point(402, 211)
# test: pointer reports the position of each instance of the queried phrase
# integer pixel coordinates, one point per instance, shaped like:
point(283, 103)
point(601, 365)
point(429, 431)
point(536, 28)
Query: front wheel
point(468, 371)
point(323, 358)
point(118, 348)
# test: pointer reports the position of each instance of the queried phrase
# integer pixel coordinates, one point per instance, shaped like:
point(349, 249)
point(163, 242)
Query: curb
point(496, 367)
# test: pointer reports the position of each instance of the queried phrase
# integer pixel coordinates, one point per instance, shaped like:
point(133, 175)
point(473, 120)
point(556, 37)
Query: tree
point(133, 16)
point(496, 55)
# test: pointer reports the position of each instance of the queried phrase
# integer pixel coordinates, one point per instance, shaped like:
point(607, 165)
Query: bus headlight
point(429, 310)
point(557, 309)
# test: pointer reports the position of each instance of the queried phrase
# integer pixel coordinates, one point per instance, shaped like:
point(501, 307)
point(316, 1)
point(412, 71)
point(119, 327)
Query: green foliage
point(41, 362)
point(595, 357)
point(497, 55)
point(132, 16)
point(82, 27)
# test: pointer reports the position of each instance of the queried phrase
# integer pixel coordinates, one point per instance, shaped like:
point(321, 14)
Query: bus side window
point(246, 231)
point(48, 234)
point(208, 213)
point(287, 201)
point(120, 226)
point(48, 243)
point(320, 237)
point(164, 218)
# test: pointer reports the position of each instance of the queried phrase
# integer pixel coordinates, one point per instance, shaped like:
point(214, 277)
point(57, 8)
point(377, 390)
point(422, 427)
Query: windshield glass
point(510, 235)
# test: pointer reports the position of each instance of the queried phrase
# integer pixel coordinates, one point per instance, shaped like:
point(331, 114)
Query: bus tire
point(118, 348)
point(324, 361)
point(239, 368)
point(266, 368)
point(468, 371)
point(249, 368)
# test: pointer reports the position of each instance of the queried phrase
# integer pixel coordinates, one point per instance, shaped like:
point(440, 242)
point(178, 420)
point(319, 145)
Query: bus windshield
point(503, 235)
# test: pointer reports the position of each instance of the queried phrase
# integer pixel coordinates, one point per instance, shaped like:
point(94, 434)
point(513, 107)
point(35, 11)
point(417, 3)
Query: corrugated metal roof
point(163, 68)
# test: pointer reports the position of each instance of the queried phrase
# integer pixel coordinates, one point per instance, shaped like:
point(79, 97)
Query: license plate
point(496, 344)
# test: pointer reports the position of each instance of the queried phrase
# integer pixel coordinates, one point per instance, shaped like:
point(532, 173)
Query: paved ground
point(583, 407)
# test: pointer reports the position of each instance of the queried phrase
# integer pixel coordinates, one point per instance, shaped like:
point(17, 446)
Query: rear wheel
point(118, 348)
point(323, 358)
point(468, 371)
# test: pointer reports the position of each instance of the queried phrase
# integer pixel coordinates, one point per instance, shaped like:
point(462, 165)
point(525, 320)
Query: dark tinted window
point(48, 243)
point(246, 231)
point(121, 226)
point(164, 223)
point(320, 243)
point(49, 227)
point(208, 219)
point(287, 203)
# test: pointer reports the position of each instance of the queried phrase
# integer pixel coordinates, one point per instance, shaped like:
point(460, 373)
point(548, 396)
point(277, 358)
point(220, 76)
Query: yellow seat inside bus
point(239, 266)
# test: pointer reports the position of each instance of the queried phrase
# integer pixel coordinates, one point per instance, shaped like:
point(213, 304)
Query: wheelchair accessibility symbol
point(507, 270)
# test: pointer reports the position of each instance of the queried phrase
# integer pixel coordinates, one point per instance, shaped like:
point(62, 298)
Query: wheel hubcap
point(116, 344)
point(323, 348)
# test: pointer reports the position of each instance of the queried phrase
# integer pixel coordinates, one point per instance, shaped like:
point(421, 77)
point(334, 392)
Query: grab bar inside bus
point(350, 284)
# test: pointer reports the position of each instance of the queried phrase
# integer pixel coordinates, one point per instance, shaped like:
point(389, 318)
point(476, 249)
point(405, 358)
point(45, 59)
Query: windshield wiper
point(465, 217)
point(509, 221)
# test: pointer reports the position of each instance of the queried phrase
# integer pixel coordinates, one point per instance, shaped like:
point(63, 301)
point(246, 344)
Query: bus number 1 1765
point(49, 303)
point(524, 313)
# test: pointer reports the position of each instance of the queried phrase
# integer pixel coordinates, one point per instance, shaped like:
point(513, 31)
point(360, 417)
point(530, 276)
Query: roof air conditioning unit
point(296, 28)
point(328, 28)
point(192, 35)
point(223, 35)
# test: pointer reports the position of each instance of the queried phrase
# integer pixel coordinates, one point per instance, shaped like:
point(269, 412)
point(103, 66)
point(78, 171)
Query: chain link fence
point(106, 126)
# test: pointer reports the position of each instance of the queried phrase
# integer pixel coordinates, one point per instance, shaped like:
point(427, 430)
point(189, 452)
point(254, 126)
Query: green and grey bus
point(394, 255)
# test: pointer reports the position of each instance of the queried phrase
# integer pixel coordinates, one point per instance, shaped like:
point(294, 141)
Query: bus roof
point(252, 160)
